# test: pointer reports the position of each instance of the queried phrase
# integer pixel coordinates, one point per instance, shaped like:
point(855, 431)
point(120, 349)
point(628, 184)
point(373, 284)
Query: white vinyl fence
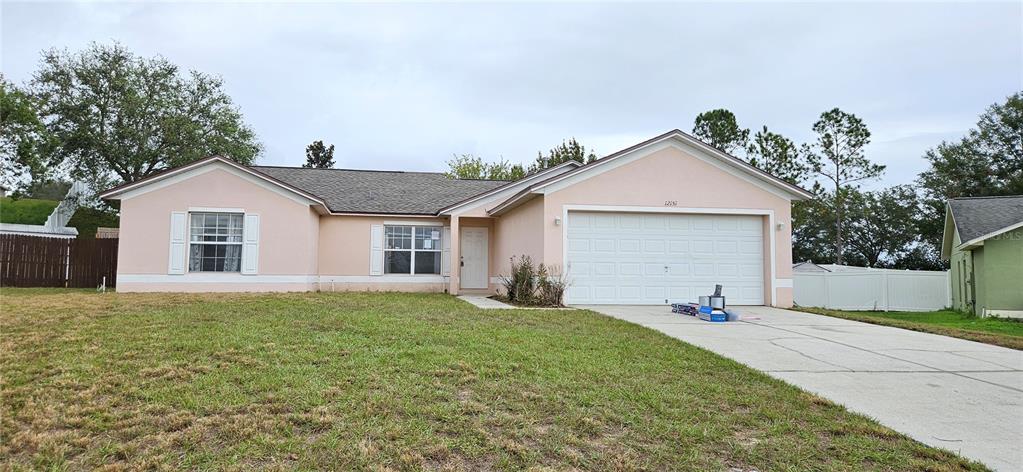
point(874, 289)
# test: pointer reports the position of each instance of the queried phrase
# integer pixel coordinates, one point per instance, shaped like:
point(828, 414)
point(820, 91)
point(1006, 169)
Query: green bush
point(87, 219)
point(25, 211)
point(31, 211)
point(531, 284)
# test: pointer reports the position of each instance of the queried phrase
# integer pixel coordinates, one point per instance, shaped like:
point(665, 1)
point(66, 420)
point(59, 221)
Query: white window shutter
point(376, 250)
point(178, 243)
point(445, 258)
point(250, 244)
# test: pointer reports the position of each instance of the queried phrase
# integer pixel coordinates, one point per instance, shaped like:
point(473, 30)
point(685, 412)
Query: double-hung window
point(412, 249)
point(215, 242)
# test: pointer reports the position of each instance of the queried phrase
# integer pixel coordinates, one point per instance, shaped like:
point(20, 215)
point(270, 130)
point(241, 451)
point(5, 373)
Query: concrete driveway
point(959, 395)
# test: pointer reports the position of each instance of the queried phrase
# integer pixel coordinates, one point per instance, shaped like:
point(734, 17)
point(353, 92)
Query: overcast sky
point(405, 86)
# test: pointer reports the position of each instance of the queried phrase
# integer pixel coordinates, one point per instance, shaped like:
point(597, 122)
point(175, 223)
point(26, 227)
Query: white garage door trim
point(771, 284)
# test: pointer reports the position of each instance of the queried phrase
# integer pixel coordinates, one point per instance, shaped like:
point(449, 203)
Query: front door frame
point(484, 282)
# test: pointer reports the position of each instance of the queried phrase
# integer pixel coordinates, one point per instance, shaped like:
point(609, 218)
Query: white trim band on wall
point(277, 279)
point(386, 279)
point(216, 278)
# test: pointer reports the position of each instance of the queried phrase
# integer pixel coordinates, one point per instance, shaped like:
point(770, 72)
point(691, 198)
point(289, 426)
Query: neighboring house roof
point(975, 219)
point(107, 233)
point(373, 191)
point(808, 266)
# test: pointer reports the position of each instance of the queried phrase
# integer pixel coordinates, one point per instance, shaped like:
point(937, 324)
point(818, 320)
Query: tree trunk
point(838, 212)
point(838, 228)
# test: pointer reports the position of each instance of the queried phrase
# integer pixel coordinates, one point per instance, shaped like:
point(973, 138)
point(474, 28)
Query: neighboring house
point(106, 233)
point(983, 243)
point(663, 220)
point(807, 267)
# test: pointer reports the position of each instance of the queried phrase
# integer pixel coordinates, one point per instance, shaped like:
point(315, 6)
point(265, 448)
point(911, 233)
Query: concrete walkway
point(486, 303)
point(958, 395)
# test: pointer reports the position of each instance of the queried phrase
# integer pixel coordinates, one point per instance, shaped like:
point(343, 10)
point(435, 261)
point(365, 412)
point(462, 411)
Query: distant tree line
point(895, 227)
point(468, 166)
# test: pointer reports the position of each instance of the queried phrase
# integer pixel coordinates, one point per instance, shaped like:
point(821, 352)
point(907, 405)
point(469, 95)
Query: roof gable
point(675, 138)
point(694, 147)
point(177, 174)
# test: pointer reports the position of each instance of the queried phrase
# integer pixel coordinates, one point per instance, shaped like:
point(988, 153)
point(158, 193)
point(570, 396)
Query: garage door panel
point(703, 269)
point(702, 223)
point(751, 225)
point(578, 245)
point(653, 293)
point(750, 271)
point(677, 269)
point(630, 269)
point(647, 259)
point(580, 292)
point(654, 222)
point(750, 247)
point(726, 248)
point(604, 221)
point(702, 247)
point(727, 270)
point(604, 245)
point(629, 293)
point(680, 293)
point(628, 222)
point(726, 224)
point(628, 245)
point(678, 247)
point(655, 246)
point(603, 269)
point(680, 224)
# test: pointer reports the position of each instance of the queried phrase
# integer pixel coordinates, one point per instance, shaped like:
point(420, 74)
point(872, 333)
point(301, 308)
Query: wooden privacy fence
point(33, 261)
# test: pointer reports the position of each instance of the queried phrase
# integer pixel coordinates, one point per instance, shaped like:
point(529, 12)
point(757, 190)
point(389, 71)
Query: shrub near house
point(531, 285)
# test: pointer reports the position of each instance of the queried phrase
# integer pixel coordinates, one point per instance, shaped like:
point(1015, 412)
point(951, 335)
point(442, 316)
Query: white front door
point(658, 258)
point(474, 258)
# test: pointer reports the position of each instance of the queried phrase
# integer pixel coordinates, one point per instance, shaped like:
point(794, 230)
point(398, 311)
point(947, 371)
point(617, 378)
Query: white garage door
point(658, 258)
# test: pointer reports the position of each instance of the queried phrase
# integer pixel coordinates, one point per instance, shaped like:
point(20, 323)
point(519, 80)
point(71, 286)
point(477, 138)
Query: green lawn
point(396, 381)
point(998, 331)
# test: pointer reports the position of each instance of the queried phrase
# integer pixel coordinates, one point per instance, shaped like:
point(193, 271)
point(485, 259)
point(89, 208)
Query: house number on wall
point(671, 203)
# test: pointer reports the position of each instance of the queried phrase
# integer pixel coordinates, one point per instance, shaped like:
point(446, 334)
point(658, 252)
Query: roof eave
point(979, 241)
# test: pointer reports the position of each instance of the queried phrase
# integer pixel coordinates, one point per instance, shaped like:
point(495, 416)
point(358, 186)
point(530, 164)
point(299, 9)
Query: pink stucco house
point(660, 221)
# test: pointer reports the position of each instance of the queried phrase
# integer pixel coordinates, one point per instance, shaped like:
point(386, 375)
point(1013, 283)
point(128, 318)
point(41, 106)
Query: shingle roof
point(979, 216)
point(372, 191)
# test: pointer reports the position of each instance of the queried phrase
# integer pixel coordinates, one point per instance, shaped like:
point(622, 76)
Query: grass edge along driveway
point(1003, 332)
point(397, 381)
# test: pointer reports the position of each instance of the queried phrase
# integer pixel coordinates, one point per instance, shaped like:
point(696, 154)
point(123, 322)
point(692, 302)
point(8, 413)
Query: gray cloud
point(403, 86)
